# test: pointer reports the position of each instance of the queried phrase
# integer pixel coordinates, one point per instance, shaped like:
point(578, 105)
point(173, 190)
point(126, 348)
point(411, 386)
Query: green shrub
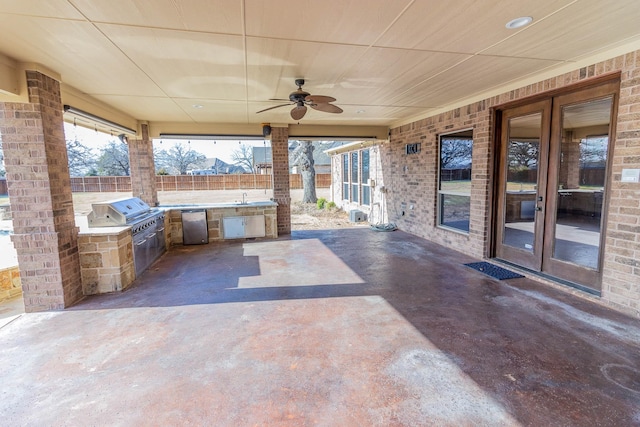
point(331, 205)
point(321, 203)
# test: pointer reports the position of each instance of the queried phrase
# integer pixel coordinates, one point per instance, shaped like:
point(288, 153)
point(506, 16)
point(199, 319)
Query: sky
point(221, 149)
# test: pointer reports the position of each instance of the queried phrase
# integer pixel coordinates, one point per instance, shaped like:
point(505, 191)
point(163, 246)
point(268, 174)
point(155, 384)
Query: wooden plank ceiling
point(220, 61)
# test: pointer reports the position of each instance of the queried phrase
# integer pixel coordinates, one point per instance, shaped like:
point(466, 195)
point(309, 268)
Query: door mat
point(493, 270)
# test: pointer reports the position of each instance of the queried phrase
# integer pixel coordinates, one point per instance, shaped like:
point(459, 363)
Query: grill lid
point(117, 212)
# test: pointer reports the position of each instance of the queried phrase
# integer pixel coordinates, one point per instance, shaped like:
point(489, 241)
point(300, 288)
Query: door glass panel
point(522, 180)
point(581, 179)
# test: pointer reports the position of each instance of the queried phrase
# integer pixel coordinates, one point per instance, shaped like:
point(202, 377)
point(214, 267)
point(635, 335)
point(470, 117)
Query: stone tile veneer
point(10, 285)
point(214, 221)
point(106, 261)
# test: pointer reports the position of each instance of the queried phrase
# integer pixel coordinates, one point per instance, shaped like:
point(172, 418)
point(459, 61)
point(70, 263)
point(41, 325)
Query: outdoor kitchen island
point(225, 221)
point(107, 252)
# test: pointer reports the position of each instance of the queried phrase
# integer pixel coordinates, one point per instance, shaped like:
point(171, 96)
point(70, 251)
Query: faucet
point(244, 201)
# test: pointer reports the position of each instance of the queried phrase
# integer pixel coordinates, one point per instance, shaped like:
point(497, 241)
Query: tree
point(593, 151)
point(455, 152)
point(179, 159)
point(302, 157)
point(243, 157)
point(114, 159)
point(523, 154)
point(81, 158)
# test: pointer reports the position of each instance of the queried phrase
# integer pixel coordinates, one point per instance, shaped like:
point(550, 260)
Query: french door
point(552, 184)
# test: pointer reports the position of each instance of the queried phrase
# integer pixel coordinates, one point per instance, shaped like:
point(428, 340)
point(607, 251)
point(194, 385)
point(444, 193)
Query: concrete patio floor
point(342, 327)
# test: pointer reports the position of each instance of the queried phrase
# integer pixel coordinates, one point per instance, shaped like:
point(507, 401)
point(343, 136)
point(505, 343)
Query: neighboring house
point(202, 172)
point(215, 166)
point(262, 160)
point(321, 160)
point(356, 179)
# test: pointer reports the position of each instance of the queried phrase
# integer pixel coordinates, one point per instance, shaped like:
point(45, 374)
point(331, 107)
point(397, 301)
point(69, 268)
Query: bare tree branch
point(114, 159)
point(243, 157)
point(179, 159)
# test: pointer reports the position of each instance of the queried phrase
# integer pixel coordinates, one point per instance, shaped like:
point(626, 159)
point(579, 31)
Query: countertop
point(83, 224)
point(258, 204)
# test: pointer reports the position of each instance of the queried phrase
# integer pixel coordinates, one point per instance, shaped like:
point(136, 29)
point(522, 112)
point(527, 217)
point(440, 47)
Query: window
point(454, 183)
point(356, 171)
point(364, 179)
point(345, 177)
point(354, 177)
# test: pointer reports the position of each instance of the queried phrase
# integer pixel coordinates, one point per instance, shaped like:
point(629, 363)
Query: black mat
point(493, 270)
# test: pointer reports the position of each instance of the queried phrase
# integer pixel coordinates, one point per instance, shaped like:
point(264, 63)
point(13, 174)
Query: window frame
point(365, 188)
point(354, 176)
point(346, 185)
point(441, 193)
point(353, 181)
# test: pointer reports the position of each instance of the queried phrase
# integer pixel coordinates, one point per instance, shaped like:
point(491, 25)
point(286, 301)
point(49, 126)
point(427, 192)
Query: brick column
point(281, 192)
point(45, 235)
point(143, 169)
point(570, 168)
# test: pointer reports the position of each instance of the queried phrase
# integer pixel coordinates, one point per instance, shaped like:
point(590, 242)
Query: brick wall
point(621, 274)
point(143, 171)
point(281, 185)
point(45, 235)
point(412, 179)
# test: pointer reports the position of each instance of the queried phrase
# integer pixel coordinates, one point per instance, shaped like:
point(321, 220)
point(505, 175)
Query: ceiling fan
point(301, 99)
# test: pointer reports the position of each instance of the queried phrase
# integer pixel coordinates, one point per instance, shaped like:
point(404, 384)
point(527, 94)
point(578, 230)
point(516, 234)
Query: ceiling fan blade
point(327, 108)
point(298, 112)
point(279, 99)
point(319, 99)
point(271, 108)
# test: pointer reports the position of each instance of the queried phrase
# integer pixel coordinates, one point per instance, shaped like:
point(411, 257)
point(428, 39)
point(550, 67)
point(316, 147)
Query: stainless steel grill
point(147, 227)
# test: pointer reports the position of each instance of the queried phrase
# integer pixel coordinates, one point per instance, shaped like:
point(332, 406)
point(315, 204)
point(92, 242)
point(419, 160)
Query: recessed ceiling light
point(519, 22)
point(197, 106)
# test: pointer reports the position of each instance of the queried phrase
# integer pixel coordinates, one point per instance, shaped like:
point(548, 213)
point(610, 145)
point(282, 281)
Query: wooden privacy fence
point(86, 184)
